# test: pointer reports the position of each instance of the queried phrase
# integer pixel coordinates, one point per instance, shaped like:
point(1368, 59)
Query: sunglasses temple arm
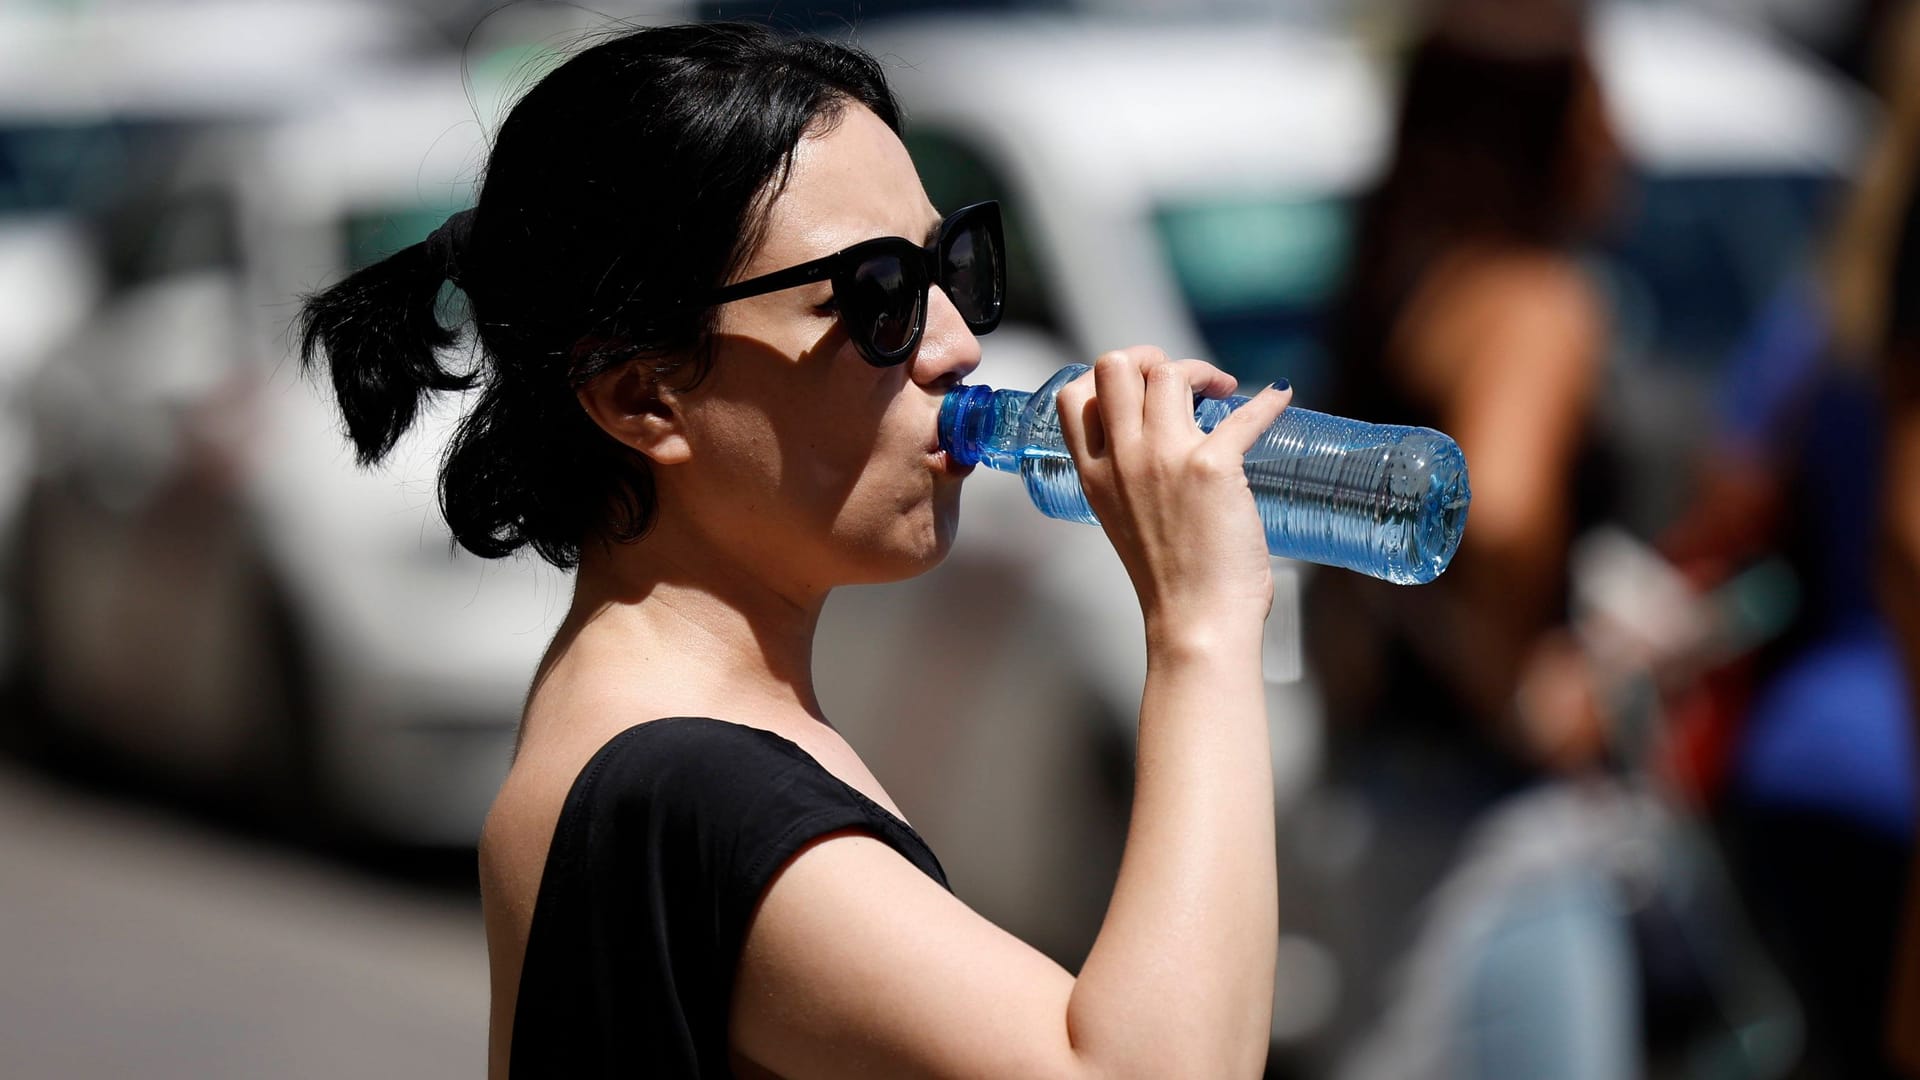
point(792, 277)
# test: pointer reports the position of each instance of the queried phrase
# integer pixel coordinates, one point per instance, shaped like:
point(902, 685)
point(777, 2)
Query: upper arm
point(856, 963)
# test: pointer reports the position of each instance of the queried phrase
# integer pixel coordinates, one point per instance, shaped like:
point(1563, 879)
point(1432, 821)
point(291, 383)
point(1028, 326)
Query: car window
point(1257, 273)
point(78, 166)
point(955, 175)
point(371, 233)
point(129, 181)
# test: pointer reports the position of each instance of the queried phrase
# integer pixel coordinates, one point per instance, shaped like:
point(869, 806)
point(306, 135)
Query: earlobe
point(638, 411)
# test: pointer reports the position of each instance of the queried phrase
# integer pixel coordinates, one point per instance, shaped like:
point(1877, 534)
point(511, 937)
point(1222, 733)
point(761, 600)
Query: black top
point(666, 841)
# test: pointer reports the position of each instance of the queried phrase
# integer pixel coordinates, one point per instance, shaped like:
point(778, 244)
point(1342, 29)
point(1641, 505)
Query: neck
point(676, 620)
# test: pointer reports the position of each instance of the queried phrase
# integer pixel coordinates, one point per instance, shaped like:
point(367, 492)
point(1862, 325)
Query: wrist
point(1213, 641)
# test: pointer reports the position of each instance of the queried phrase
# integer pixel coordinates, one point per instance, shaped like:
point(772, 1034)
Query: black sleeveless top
point(663, 847)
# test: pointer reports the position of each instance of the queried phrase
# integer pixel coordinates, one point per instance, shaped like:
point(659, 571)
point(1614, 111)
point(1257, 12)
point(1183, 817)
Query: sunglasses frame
point(929, 261)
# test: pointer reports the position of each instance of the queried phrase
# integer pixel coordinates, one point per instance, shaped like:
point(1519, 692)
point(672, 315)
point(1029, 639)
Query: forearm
point(1180, 979)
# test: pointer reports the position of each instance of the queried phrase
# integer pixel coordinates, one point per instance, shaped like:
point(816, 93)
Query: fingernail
point(1281, 384)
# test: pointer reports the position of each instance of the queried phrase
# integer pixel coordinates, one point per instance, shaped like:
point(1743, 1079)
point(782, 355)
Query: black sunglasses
point(880, 285)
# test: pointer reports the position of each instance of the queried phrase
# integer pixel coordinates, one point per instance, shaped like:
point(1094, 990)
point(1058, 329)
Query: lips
point(945, 464)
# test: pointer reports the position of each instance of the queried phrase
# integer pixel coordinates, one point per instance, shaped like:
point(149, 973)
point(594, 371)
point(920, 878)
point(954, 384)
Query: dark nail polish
point(1282, 384)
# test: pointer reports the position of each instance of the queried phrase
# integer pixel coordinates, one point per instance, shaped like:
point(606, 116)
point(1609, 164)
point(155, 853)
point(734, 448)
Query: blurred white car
point(95, 104)
point(132, 608)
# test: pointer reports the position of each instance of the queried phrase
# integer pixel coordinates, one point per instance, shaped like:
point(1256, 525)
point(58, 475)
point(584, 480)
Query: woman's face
point(805, 459)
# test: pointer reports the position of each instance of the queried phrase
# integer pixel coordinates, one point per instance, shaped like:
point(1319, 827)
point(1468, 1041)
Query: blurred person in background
point(1466, 309)
point(1900, 580)
point(1818, 782)
point(711, 352)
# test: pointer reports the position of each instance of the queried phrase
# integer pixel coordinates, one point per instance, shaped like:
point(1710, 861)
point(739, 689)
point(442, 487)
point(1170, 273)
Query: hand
point(1561, 723)
point(1174, 500)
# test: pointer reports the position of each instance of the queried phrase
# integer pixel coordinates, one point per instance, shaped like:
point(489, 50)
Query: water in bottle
point(1381, 499)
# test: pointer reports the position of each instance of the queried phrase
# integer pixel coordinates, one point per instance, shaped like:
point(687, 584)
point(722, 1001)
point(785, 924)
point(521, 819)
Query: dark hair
point(1481, 154)
point(621, 188)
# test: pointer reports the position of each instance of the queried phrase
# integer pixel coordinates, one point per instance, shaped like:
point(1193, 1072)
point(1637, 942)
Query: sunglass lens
point(972, 274)
point(885, 304)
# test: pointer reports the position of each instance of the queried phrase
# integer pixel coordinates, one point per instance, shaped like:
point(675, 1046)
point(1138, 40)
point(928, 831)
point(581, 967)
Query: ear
point(639, 411)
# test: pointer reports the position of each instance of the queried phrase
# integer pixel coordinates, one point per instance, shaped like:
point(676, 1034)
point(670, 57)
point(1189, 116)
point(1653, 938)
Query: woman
point(1899, 562)
point(1465, 309)
point(688, 395)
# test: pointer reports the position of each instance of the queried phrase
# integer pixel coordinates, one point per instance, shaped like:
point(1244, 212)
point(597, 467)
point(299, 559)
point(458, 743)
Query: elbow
point(1177, 1059)
point(1182, 1067)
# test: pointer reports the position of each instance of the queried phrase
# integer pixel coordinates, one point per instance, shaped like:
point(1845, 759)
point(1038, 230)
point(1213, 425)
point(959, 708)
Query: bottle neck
point(980, 426)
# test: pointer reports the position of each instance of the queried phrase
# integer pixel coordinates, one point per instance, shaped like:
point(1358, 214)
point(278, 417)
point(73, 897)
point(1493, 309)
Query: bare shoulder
point(521, 821)
point(1501, 317)
point(514, 838)
point(512, 861)
point(1533, 316)
point(1546, 289)
point(513, 853)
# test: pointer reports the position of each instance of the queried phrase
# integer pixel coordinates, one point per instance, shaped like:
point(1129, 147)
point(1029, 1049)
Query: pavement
point(139, 941)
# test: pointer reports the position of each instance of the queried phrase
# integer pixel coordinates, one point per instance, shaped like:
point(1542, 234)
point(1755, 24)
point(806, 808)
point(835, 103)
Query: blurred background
point(1629, 792)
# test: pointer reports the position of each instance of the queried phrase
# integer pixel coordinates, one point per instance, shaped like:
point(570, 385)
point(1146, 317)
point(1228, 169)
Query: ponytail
point(380, 336)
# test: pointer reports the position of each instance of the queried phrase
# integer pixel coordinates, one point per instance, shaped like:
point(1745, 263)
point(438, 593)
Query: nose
point(948, 351)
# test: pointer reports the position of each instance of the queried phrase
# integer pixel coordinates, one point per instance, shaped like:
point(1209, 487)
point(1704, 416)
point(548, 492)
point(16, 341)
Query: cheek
point(829, 449)
point(855, 475)
point(817, 464)
point(834, 461)
point(850, 442)
point(899, 509)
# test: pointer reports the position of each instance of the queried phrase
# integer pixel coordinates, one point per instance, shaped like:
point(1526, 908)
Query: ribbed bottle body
point(1380, 499)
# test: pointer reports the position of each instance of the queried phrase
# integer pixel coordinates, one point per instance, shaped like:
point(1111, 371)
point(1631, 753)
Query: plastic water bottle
point(1381, 499)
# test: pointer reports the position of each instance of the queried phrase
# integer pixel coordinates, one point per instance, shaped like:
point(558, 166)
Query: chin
point(945, 527)
point(911, 563)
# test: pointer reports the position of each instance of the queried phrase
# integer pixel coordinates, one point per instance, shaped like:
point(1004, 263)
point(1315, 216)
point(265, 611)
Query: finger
point(1080, 426)
point(1118, 389)
point(1208, 380)
point(1169, 404)
point(1244, 426)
